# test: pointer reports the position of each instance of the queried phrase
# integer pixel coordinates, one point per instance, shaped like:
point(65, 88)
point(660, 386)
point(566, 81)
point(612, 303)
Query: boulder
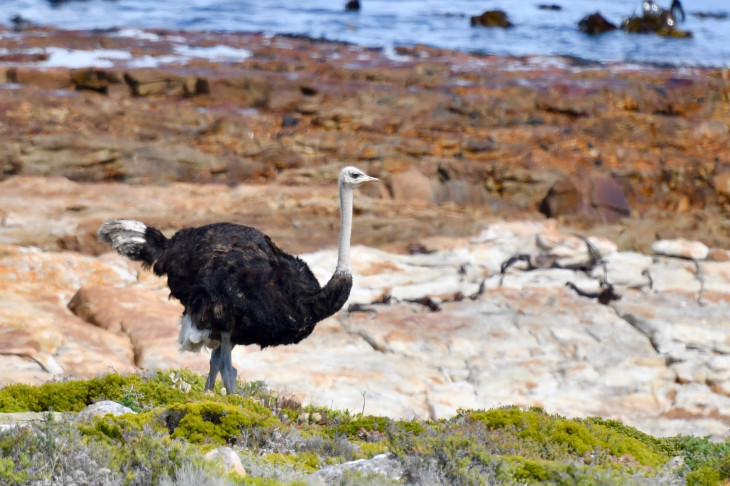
point(597, 197)
point(103, 407)
point(681, 248)
point(388, 467)
point(147, 317)
point(94, 79)
point(147, 82)
point(228, 458)
point(595, 24)
point(562, 198)
point(410, 185)
point(491, 18)
point(654, 19)
point(607, 198)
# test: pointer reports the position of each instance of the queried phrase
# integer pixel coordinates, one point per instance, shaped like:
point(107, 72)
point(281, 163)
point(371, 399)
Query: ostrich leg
point(215, 367)
point(228, 372)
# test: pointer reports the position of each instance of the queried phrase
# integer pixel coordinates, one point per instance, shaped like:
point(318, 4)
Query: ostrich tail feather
point(133, 239)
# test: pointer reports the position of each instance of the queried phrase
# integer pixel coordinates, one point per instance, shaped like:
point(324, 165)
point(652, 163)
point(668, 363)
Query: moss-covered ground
point(281, 442)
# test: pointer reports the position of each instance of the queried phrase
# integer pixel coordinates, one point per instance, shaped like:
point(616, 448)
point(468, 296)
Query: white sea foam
point(154, 61)
point(136, 34)
point(214, 53)
point(74, 58)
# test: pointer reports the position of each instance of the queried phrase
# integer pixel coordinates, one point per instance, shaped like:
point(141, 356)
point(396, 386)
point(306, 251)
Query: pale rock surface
point(228, 458)
point(386, 466)
point(103, 407)
point(22, 419)
point(658, 358)
point(680, 247)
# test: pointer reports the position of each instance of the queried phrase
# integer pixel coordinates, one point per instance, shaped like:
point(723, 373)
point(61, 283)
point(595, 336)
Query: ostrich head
point(353, 177)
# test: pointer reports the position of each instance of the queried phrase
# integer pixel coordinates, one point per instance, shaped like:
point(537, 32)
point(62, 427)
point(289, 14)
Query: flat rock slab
point(658, 358)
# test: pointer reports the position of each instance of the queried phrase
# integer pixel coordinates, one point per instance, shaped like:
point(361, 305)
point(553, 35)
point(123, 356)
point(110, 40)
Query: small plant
point(131, 399)
point(706, 463)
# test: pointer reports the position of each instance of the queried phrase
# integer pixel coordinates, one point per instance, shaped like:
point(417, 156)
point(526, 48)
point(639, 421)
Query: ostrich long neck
point(343, 251)
point(333, 296)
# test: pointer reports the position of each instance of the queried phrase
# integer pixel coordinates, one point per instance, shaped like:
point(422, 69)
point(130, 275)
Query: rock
point(629, 269)
point(712, 130)
point(562, 198)
point(410, 185)
point(21, 419)
point(654, 20)
point(388, 467)
point(714, 276)
point(681, 248)
point(156, 83)
point(564, 249)
point(104, 407)
point(84, 239)
point(278, 158)
point(20, 23)
point(491, 18)
point(670, 276)
point(30, 334)
point(597, 197)
point(596, 362)
point(595, 24)
point(93, 79)
point(718, 255)
point(105, 159)
point(148, 318)
point(41, 339)
point(228, 458)
point(284, 100)
point(663, 27)
point(721, 182)
point(608, 199)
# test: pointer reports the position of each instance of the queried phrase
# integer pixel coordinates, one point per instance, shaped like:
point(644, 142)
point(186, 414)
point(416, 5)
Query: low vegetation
point(279, 441)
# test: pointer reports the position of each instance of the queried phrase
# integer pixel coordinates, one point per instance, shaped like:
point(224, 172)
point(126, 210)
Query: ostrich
point(236, 285)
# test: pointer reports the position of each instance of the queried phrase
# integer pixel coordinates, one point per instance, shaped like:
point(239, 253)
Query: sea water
point(390, 23)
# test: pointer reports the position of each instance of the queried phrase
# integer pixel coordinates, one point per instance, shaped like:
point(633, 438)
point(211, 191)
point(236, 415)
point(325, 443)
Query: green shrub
point(214, 422)
point(575, 436)
point(165, 441)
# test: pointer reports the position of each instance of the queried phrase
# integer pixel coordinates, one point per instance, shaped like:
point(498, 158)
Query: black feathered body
point(236, 285)
point(233, 278)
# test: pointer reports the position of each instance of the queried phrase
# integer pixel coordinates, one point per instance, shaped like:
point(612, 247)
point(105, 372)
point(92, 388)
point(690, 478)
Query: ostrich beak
point(371, 179)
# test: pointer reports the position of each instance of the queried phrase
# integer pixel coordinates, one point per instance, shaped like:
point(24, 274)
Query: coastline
point(509, 129)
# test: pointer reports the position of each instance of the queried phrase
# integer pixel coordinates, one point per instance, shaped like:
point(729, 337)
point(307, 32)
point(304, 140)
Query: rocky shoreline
point(183, 128)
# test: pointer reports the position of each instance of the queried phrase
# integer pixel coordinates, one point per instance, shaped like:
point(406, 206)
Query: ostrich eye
point(355, 175)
